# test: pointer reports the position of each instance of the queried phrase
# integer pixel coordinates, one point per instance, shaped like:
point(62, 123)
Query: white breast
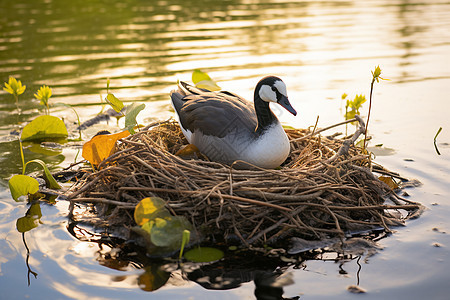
point(270, 150)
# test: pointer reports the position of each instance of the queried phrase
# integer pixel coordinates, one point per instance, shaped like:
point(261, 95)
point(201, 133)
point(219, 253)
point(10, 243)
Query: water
point(320, 49)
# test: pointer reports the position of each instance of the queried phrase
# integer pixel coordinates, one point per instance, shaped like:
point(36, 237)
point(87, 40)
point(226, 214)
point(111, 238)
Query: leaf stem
point(368, 115)
point(435, 146)
point(22, 157)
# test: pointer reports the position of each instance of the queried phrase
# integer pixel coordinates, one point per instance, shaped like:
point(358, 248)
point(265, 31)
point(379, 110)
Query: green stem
point(22, 157)
point(368, 115)
point(17, 103)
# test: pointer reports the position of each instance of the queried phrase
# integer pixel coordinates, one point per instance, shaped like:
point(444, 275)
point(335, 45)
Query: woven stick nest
point(324, 189)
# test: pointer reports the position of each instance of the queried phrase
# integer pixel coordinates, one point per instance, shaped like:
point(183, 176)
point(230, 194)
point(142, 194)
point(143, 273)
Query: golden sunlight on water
point(321, 49)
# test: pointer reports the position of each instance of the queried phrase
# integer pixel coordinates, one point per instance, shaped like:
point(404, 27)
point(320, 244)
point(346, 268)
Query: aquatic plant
point(44, 128)
point(375, 77)
point(112, 100)
point(15, 88)
point(131, 111)
point(435, 137)
point(43, 94)
point(159, 227)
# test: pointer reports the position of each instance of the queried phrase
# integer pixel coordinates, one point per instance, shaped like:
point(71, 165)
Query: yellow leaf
point(198, 76)
point(102, 146)
point(203, 81)
point(389, 181)
point(148, 209)
point(115, 103)
point(208, 85)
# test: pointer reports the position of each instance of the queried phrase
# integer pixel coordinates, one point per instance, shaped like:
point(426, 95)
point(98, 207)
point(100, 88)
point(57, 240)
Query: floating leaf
point(204, 254)
point(22, 185)
point(389, 181)
point(168, 232)
point(115, 103)
point(102, 146)
point(44, 127)
point(130, 117)
point(148, 209)
point(49, 180)
point(31, 219)
point(203, 81)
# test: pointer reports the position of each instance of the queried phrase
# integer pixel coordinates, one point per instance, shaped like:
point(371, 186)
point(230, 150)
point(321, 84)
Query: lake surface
point(321, 49)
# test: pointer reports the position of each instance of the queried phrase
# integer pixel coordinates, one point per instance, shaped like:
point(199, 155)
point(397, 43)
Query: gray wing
point(215, 114)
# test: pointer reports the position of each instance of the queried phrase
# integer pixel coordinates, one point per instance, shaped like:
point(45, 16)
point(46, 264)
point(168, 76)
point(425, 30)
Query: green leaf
point(130, 117)
point(115, 103)
point(149, 209)
point(31, 219)
point(204, 254)
point(44, 127)
point(358, 101)
point(22, 185)
point(168, 232)
point(49, 180)
point(350, 114)
point(26, 223)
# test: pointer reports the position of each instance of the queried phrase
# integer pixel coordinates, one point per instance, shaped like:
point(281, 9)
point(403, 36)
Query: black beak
point(284, 101)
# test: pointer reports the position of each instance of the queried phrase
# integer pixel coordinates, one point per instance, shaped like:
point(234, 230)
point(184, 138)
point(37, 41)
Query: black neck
point(263, 113)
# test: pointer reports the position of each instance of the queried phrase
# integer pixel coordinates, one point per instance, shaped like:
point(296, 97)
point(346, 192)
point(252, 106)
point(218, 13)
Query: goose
point(227, 128)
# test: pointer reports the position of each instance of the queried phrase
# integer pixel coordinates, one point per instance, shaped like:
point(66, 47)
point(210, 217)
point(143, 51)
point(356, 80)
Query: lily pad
point(44, 127)
point(22, 185)
point(204, 254)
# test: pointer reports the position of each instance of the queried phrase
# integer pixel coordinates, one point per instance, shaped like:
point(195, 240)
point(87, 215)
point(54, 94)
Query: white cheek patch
point(266, 93)
point(281, 87)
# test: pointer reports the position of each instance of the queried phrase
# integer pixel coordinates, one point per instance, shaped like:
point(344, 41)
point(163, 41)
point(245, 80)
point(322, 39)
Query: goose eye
point(274, 89)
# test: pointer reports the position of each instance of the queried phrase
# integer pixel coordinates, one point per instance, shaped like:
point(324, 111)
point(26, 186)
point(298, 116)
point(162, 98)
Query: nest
point(326, 188)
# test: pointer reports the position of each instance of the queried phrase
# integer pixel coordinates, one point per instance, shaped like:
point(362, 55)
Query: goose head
point(272, 89)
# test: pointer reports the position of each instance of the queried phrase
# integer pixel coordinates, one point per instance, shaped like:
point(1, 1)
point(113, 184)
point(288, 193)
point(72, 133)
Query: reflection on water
point(321, 49)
